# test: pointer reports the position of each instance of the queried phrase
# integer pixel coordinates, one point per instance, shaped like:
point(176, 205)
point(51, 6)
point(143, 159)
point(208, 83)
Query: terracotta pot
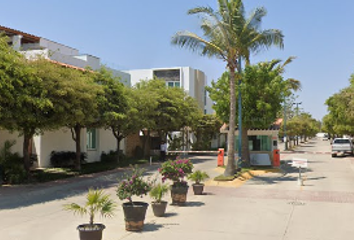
point(198, 188)
point(179, 194)
point(159, 208)
point(91, 232)
point(134, 215)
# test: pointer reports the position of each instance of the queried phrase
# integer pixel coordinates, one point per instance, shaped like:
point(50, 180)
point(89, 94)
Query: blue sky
point(136, 34)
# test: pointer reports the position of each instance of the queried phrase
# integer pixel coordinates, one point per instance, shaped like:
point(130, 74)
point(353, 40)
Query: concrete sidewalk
point(269, 207)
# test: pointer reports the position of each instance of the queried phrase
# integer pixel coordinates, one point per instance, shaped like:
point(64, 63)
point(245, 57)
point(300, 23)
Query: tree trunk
point(118, 138)
point(145, 142)
point(27, 136)
point(77, 129)
point(245, 148)
point(230, 167)
point(118, 147)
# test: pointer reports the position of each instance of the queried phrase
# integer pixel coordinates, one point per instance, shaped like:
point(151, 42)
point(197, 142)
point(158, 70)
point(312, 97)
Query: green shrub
point(111, 156)
point(12, 165)
point(65, 158)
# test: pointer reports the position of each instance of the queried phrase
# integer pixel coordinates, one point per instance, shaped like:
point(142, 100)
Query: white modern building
point(94, 141)
point(193, 81)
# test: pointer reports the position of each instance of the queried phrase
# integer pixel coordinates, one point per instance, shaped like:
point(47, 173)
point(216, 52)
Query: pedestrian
point(163, 149)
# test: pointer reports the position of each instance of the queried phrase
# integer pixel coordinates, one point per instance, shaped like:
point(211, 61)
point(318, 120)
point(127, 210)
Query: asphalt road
point(268, 207)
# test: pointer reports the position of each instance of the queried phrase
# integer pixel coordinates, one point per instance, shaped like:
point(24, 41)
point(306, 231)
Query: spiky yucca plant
point(158, 191)
point(96, 202)
point(198, 176)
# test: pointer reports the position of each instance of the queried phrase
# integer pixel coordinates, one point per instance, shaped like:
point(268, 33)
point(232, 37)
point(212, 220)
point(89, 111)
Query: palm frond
point(293, 84)
point(197, 44)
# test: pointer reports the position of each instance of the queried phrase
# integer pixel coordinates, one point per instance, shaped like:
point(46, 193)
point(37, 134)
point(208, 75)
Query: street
point(269, 207)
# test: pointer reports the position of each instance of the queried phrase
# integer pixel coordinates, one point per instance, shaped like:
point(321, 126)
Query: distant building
point(193, 81)
point(33, 47)
point(94, 141)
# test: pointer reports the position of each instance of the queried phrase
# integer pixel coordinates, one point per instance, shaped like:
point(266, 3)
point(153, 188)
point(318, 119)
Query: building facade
point(193, 81)
point(94, 141)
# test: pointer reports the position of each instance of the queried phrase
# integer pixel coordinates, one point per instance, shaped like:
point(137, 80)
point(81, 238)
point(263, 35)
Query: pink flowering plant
point(176, 171)
point(133, 185)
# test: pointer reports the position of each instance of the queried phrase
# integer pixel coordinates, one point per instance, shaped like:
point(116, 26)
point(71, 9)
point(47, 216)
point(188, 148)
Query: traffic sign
point(299, 162)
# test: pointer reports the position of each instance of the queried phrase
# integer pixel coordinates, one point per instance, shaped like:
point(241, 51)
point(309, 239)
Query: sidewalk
point(267, 207)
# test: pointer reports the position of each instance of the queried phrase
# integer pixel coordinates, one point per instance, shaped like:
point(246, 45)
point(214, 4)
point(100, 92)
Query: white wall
point(92, 61)
point(6, 135)
point(57, 47)
point(209, 106)
point(140, 74)
point(124, 77)
point(59, 140)
point(35, 54)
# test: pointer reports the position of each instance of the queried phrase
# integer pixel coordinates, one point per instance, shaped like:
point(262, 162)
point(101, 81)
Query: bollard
point(221, 157)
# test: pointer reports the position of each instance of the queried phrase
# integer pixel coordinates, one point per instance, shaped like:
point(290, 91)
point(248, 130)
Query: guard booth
point(263, 146)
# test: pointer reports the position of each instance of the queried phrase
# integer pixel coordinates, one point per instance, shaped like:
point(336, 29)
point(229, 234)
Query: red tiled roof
point(26, 36)
point(67, 65)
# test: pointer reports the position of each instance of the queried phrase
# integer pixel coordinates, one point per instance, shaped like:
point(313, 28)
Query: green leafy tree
point(205, 128)
point(114, 108)
point(34, 90)
point(341, 111)
point(263, 91)
point(230, 36)
point(82, 99)
point(171, 108)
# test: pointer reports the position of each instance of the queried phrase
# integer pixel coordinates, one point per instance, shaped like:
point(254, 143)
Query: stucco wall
point(55, 141)
point(6, 135)
point(138, 75)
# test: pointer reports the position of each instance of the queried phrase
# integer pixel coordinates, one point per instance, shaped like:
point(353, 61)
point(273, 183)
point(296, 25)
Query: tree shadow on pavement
point(287, 175)
point(27, 195)
point(152, 227)
point(193, 204)
point(170, 214)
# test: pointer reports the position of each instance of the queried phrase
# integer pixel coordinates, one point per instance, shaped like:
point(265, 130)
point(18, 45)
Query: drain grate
point(296, 203)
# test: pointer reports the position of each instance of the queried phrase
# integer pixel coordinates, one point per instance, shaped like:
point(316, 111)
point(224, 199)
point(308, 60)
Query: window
point(91, 138)
point(173, 84)
point(257, 143)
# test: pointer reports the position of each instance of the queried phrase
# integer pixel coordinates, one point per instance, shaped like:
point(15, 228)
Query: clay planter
point(198, 188)
point(159, 208)
point(179, 195)
point(134, 215)
point(91, 232)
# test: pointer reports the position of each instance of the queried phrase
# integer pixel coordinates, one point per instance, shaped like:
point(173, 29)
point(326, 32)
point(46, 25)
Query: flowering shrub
point(133, 185)
point(176, 171)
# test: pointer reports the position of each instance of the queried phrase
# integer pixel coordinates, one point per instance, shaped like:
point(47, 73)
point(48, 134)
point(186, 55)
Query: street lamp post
point(297, 114)
point(297, 107)
point(285, 138)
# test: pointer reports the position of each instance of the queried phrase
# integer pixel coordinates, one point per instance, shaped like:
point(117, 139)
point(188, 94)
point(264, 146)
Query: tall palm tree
point(230, 36)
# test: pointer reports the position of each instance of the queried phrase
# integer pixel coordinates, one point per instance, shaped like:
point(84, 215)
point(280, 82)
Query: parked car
point(342, 146)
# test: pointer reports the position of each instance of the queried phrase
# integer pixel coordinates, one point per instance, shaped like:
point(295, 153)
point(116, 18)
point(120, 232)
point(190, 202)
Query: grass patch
point(222, 178)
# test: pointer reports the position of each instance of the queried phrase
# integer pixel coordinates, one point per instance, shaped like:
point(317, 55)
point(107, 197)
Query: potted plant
point(198, 176)
point(157, 192)
point(176, 171)
point(96, 202)
point(134, 212)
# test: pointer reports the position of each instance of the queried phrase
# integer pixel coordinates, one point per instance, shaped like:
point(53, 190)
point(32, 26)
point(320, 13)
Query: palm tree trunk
point(230, 167)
